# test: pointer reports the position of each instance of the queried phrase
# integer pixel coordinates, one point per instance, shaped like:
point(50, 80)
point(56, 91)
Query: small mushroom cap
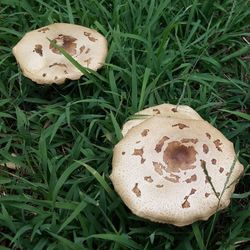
point(44, 64)
point(175, 172)
point(182, 112)
point(11, 165)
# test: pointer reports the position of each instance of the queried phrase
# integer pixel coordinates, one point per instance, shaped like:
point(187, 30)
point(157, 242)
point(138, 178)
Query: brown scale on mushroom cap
point(160, 143)
point(159, 185)
point(38, 49)
point(136, 190)
point(187, 140)
point(205, 148)
point(208, 135)
point(158, 168)
point(148, 179)
point(186, 203)
point(218, 144)
point(214, 161)
point(221, 170)
point(87, 50)
point(191, 179)
point(92, 39)
point(139, 152)
point(157, 111)
point(180, 125)
point(88, 61)
point(58, 64)
point(179, 157)
point(68, 43)
point(173, 178)
point(145, 132)
point(43, 30)
point(82, 48)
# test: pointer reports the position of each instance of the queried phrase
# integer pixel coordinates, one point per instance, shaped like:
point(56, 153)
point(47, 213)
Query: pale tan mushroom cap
point(44, 64)
point(182, 112)
point(158, 170)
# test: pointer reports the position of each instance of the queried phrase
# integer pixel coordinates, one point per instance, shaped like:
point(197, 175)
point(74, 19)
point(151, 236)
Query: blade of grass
point(61, 181)
point(144, 85)
point(121, 239)
point(57, 125)
point(116, 127)
point(198, 236)
point(237, 53)
point(134, 87)
point(73, 215)
point(69, 11)
point(113, 88)
point(100, 179)
point(237, 113)
point(241, 196)
point(65, 242)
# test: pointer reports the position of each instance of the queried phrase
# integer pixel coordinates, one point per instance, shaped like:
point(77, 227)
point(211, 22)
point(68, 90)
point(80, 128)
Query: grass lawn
point(189, 52)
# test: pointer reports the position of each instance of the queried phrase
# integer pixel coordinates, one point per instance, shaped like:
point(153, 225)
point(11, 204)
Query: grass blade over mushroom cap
point(41, 59)
point(159, 170)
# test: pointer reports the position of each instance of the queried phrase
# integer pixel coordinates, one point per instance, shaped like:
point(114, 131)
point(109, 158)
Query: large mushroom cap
point(44, 64)
point(175, 172)
point(182, 112)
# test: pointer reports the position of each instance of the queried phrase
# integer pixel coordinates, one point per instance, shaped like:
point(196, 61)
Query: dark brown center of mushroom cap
point(66, 42)
point(179, 157)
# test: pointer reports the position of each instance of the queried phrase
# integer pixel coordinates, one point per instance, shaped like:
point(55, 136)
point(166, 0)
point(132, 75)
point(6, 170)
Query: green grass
point(182, 52)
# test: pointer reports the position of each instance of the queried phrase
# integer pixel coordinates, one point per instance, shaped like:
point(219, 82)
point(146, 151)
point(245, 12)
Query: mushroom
point(44, 64)
point(170, 110)
point(10, 165)
point(179, 172)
